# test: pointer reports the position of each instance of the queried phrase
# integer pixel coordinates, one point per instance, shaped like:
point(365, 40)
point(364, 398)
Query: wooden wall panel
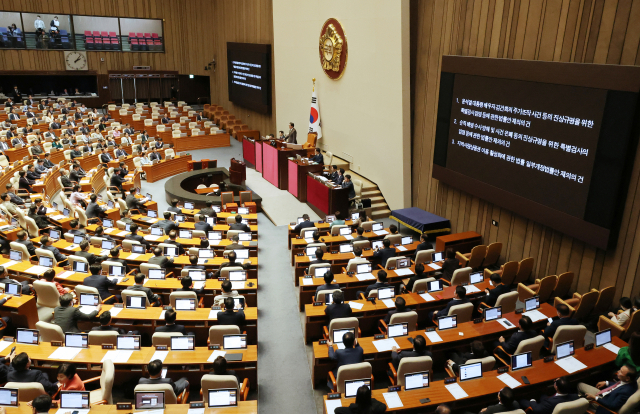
point(588, 31)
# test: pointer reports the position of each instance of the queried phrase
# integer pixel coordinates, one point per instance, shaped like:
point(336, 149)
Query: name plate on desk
point(300, 254)
point(430, 329)
point(222, 279)
point(378, 336)
point(477, 320)
point(588, 347)
point(391, 268)
point(124, 406)
point(214, 346)
point(502, 370)
point(318, 303)
point(394, 388)
point(420, 292)
point(8, 339)
point(351, 273)
point(308, 276)
point(56, 343)
point(161, 347)
point(215, 308)
point(450, 380)
point(333, 396)
point(519, 311)
point(167, 307)
point(119, 305)
point(107, 346)
point(372, 299)
point(322, 342)
point(549, 358)
point(196, 404)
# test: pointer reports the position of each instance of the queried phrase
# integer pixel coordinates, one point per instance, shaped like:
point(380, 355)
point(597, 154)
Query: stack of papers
point(348, 237)
point(404, 272)
point(392, 399)
point(535, 315)
point(152, 238)
point(202, 261)
point(215, 354)
point(389, 303)
point(198, 285)
point(434, 266)
point(365, 276)
point(309, 240)
point(509, 380)
point(471, 289)
point(65, 353)
point(109, 230)
point(433, 336)
point(611, 347)
point(401, 248)
point(237, 285)
point(57, 217)
point(385, 345)
point(161, 355)
point(9, 264)
point(456, 390)
point(105, 252)
point(570, 364)
point(213, 314)
point(380, 232)
point(307, 281)
point(120, 356)
point(66, 274)
point(195, 411)
point(115, 311)
point(427, 297)
point(332, 405)
point(133, 256)
point(356, 305)
point(38, 270)
point(88, 309)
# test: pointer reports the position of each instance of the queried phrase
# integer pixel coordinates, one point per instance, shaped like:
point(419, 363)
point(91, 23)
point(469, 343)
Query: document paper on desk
point(9, 264)
point(306, 281)
point(117, 356)
point(115, 311)
point(161, 355)
point(4, 345)
point(433, 336)
point(570, 364)
point(65, 275)
point(456, 390)
point(161, 317)
point(348, 237)
point(88, 309)
point(38, 270)
point(195, 411)
point(365, 276)
point(216, 354)
point(75, 410)
point(471, 289)
point(385, 344)
point(389, 303)
point(535, 315)
point(401, 248)
point(404, 272)
point(356, 305)
point(122, 233)
point(507, 379)
point(152, 238)
point(380, 232)
point(213, 314)
point(65, 352)
point(392, 399)
point(237, 285)
point(427, 297)
point(434, 266)
point(611, 347)
point(332, 405)
point(133, 256)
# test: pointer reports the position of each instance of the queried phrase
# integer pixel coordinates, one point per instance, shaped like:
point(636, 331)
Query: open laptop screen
point(234, 341)
point(398, 329)
point(416, 380)
point(131, 342)
point(183, 343)
point(149, 400)
point(27, 336)
point(74, 399)
point(186, 304)
point(8, 397)
point(491, 314)
point(520, 361)
point(351, 386)
point(564, 350)
point(532, 303)
point(470, 371)
point(447, 322)
point(224, 397)
point(603, 337)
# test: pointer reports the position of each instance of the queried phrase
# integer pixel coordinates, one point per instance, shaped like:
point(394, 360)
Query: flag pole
point(314, 84)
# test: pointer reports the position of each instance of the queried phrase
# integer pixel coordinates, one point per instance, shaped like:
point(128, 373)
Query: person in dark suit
point(424, 243)
point(47, 244)
point(360, 236)
point(548, 404)
point(84, 252)
point(20, 371)
point(338, 309)
point(459, 297)
point(381, 282)
point(506, 402)
point(291, 137)
point(46, 163)
point(174, 206)
point(363, 404)
point(165, 120)
point(455, 359)
point(41, 221)
point(66, 316)
point(385, 253)
point(220, 367)
point(135, 236)
point(450, 265)
point(340, 179)
point(23, 239)
point(238, 225)
point(154, 368)
point(419, 349)
point(75, 174)
point(170, 326)
point(187, 286)
point(498, 289)
point(306, 223)
point(319, 259)
point(120, 152)
point(351, 354)
point(208, 210)
point(235, 245)
point(100, 282)
point(114, 256)
point(117, 181)
point(525, 332)
point(139, 285)
point(202, 225)
point(25, 183)
point(614, 394)
point(64, 178)
point(154, 155)
point(105, 324)
point(135, 203)
point(167, 224)
point(564, 318)
point(173, 235)
point(419, 269)
point(401, 306)
point(75, 153)
point(231, 262)
point(74, 228)
point(160, 260)
point(93, 209)
point(328, 285)
point(228, 316)
point(105, 157)
point(318, 157)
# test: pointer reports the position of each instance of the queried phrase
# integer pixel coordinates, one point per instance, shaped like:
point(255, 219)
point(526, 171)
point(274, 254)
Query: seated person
point(381, 282)
point(498, 289)
point(187, 286)
point(105, 324)
point(401, 306)
point(328, 285)
point(228, 316)
point(20, 371)
point(459, 298)
point(173, 235)
point(351, 354)
point(238, 225)
point(419, 349)
point(166, 224)
point(525, 332)
point(41, 221)
point(174, 206)
point(232, 262)
point(625, 315)
point(424, 243)
point(226, 292)
point(564, 318)
point(360, 236)
point(68, 379)
point(363, 404)
point(84, 252)
point(319, 260)
point(101, 282)
point(49, 275)
point(235, 244)
point(115, 257)
point(506, 402)
point(339, 221)
point(139, 285)
point(306, 223)
point(170, 318)
point(628, 355)
point(220, 367)
point(338, 309)
point(611, 395)
point(456, 359)
point(420, 274)
point(450, 264)
point(202, 225)
point(548, 404)
point(66, 316)
point(161, 260)
point(47, 244)
point(74, 228)
point(136, 237)
point(385, 253)
point(154, 368)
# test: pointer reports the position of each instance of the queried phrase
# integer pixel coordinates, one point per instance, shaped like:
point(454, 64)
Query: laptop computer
point(27, 336)
point(158, 274)
point(377, 244)
point(171, 251)
point(521, 361)
point(8, 397)
point(416, 380)
point(13, 289)
point(206, 254)
point(136, 302)
point(476, 277)
point(491, 314)
point(156, 231)
point(185, 234)
point(108, 223)
point(237, 275)
point(437, 257)
point(470, 371)
point(188, 206)
point(339, 333)
point(198, 275)
point(329, 219)
point(447, 322)
point(107, 245)
point(320, 271)
point(363, 268)
point(355, 216)
point(80, 267)
point(211, 221)
point(346, 248)
point(564, 350)
point(386, 293)
point(403, 263)
point(238, 341)
point(223, 397)
point(15, 255)
point(397, 329)
point(152, 214)
point(603, 337)
point(89, 299)
point(377, 227)
point(242, 254)
point(45, 261)
point(243, 210)
point(116, 271)
point(406, 240)
point(345, 231)
point(214, 235)
point(186, 304)
point(244, 236)
point(532, 303)
point(180, 218)
point(351, 386)
point(54, 234)
point(238, 303)
point(76, 340)
point(74, 400)
point(130, 342)
point(149, 400)
point(183, 343)
point(77, 239)
point(137, 248)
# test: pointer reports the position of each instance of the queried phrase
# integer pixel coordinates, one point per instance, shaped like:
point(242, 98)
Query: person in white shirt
point(83, 109)
point(77, 198)
point(623, 317)
point(39, 24)
point(126, 140)
point(144, 160)
point(226, 292)
point(96, 134)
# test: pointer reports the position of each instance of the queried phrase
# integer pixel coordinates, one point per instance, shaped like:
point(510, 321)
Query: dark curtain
point(115, 89)
point(142, 89)
point(128, 90)
point(155, 94)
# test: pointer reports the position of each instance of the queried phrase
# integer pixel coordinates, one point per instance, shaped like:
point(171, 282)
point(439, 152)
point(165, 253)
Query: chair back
point(313, 267)
point(47, 294)
point(320, 296)
point(411, 318)
point(27, 391)
point(163, 338)
point(226, 197)
point(547, 285)
point(391, 262)
point(46, 253)
point(224, 272)
point(508, 301)
point(478, 253)
point(565, 280)
point(21, 248)
point(461, 276)
point(357, 187)
point(488, 362)
point(169, 395)
point(213, 382)
point(335, 230)
point(103, 337)
point(533, 345)
point(49, 331)
point(181, 295)
point(126, 244)
point(422, 284)
point(144, 268)
point(307, 233)
point(80, 289)
point(493, 254)
point(413, 364)
point(605, 299)
point(353, 263)
point(367, 225)
point(587, 302)
point(464, 312)
point(245, 197)
point(632, 326)
point(632, 403)
point(351, 372)
point(106, 380)
point(96, 241)
point(231, 233)
point(393, 238)
point(121, 225)
point(578, 406)
point(524, 270)
point(424, 256)
point(323, 246)
point(343, 323)
point(217, 332)
point(566, 333)
point(32, 227)
point(126, 293)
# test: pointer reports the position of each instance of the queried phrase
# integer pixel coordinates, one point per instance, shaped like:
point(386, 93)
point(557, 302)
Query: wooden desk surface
point(244, 407)
point(539, 374)
point(154, 313)
point(166, 168)
point(334, 257)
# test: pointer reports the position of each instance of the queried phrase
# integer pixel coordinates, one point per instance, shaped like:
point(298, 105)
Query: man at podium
point(292, 135)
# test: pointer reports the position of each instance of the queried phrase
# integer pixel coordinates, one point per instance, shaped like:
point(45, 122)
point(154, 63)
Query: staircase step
point(379, 214)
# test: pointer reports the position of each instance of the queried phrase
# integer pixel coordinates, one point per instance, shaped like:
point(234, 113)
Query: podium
point(275, 163)
point(297, 177)
point(237, 172)
point(325, 200)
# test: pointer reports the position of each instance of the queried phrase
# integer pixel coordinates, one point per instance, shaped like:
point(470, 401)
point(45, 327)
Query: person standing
point(291, 137)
